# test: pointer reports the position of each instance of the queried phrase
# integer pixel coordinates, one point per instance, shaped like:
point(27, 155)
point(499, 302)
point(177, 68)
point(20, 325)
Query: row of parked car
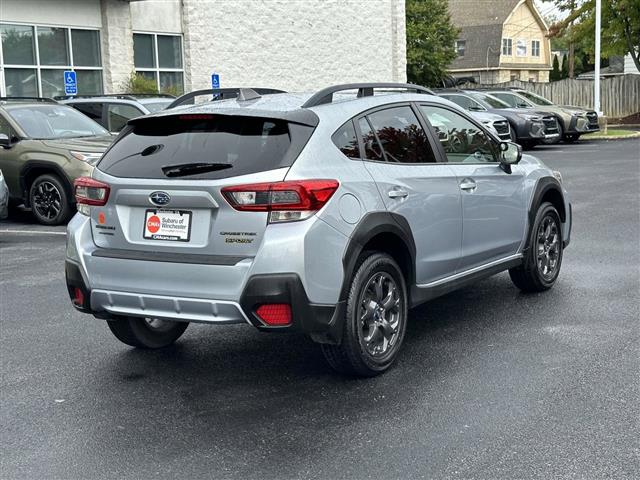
point(45, 144)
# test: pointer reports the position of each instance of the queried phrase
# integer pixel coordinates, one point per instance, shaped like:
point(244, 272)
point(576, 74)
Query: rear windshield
point(186, 145)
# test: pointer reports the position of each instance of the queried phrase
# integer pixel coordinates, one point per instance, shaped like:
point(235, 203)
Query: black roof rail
point(364, 90)
point(120, 96)
point(28, 99)
point(223, 94)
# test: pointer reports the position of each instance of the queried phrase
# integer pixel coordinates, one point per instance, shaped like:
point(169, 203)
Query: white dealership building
point(288, 44)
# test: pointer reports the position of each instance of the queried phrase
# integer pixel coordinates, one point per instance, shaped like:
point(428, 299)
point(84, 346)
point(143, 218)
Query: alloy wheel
point(47, 200)
point(379, 314)
point(548, 248)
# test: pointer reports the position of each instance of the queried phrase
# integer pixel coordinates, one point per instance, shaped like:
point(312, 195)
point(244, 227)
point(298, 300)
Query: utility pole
point(596, 73)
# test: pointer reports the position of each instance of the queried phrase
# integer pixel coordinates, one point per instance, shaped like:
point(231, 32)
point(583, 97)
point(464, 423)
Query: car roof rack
point(119, 96)
point(224, 94)
point(325, 95)
point(28, 99)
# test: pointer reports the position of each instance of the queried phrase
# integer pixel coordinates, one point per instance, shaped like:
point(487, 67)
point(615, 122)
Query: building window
point(34, 58)
point(521, 48)
point(535, 48)
point(507, 46)
point(159, 58)
point(460, 47)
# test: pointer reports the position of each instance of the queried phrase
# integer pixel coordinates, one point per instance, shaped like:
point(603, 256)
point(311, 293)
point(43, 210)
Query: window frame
point(460, 43)
point(508, 46)
point(157, 69)
point(424, 125)
point(535, 52)
point(36, 51)
point(463, 114)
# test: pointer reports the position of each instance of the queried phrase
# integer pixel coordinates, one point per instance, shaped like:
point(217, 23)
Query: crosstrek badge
point(167, 225)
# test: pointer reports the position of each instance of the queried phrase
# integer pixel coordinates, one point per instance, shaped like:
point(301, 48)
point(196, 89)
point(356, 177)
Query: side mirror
point(510, 154)
point(5, 141)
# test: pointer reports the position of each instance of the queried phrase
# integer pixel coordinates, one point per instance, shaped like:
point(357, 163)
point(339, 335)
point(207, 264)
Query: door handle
point(468, 185)
point(397, 193)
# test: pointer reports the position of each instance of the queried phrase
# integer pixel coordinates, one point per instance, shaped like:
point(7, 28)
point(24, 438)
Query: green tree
point(620, 33)
point(555, 73)
point(430, 41)
point(138, 83)
point(564, 71)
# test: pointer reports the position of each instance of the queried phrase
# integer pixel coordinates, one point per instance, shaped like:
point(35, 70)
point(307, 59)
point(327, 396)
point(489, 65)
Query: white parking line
point(34, 232)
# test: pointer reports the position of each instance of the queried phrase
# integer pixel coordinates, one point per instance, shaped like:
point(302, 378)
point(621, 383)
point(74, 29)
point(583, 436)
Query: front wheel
point(376, 319)
point(541, 265)
point(146, 332)
point(571, 137)
point(49, 201)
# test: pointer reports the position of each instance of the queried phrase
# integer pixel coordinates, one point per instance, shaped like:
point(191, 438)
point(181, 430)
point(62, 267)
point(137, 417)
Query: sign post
point(70, 83)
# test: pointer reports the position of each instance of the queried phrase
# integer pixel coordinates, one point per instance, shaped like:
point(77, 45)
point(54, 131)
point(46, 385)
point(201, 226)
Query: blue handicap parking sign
point(215, 80)
point(70, 83)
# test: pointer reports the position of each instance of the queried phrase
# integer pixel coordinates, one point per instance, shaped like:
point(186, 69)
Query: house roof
point(480, 23)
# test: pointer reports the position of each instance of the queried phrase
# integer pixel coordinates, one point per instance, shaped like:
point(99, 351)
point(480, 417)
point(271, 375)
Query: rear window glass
point(346, 141)
point(231, 145)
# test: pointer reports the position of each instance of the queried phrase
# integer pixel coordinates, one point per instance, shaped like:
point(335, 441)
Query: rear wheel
point(529, 144)
point(541, 265)
point(49, 200)
point(571, 137)
point(376, 319)
point(146, 332)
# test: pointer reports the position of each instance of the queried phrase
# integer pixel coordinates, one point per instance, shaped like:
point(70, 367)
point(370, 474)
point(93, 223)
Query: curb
point(612, 137)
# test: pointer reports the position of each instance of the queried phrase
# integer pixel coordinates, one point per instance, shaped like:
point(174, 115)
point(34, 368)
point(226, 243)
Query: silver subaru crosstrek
point(331, 214)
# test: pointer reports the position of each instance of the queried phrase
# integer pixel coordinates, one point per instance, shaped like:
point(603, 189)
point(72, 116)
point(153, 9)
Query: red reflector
point(91, 192)
point(78, 297)
point(275, 314)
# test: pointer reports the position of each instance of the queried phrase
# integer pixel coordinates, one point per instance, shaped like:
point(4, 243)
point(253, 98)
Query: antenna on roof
point(245, 94)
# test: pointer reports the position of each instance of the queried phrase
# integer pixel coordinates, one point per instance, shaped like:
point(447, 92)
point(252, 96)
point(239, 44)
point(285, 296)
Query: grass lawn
point(613, 133)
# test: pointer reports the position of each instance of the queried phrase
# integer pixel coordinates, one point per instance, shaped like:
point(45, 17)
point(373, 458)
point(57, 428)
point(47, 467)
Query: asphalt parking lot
point(491, 383)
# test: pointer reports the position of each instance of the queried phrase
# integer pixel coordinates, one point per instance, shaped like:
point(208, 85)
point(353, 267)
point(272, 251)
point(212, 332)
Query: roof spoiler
point(223, 94)
point(325, 95)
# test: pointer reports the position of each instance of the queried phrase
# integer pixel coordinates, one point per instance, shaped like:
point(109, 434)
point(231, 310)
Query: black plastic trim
point(565, 243)
point(223, 94)
point(321, 322)
point(168, 257)
point(53, 168)
point(364, 90)
point(74, 280)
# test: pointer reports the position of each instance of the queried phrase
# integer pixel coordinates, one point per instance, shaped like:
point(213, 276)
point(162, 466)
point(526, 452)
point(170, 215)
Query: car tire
point(149, 333)
point(543, 258)
point(375, 320)
point(529, 144)
point(49, 200)
point(571, 137)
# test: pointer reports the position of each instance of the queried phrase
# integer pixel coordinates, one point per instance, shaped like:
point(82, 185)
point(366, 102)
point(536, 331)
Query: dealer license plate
point(167, 225)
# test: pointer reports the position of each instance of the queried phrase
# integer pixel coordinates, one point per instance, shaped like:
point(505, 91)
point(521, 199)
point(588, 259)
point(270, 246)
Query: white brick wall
point(293, 44)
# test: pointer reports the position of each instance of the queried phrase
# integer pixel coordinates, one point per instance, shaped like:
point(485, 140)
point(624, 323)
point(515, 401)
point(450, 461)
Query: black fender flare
point(53, 168)
point(371, 225)
point(542, 187)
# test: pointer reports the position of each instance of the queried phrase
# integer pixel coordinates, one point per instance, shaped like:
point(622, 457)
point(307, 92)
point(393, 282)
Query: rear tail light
point(90, 192)
point(78, 297)
point(275, 314)
point(285, 201)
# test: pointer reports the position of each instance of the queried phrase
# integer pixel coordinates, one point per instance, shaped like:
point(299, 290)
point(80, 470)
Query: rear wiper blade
point(186, 169)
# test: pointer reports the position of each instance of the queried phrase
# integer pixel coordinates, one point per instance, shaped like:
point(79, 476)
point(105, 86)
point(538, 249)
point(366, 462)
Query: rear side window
point(231, 145)
point(119, 114)
point(401, 136)
point(372, 148)
point(91, 110)
point(346, 141)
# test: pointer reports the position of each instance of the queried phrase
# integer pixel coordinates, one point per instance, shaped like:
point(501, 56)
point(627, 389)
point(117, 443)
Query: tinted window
point(465, 102)
point(489, 100)
point(461, 139)
point(241, 145)
point(401, 136)
point(346, 141)
point(5, 128)
point(119, 114)
point(513, 100)
point(372, 149)
point(91, 110)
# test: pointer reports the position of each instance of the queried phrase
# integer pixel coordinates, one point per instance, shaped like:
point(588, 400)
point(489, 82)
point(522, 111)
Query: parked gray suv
point(319, 213)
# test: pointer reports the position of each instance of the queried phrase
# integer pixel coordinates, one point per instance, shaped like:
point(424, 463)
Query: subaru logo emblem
point(159, 198)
